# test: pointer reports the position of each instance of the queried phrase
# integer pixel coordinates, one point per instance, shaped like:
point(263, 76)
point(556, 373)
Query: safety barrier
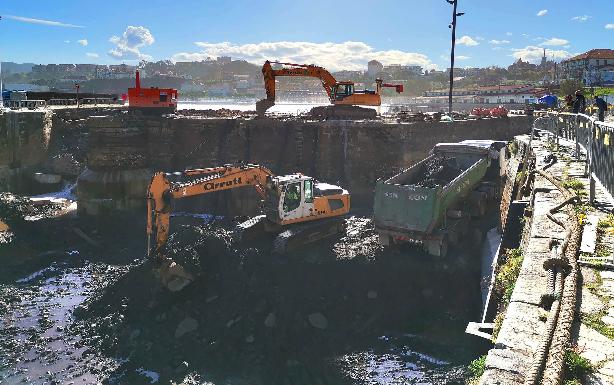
point(593, 137)
point(26, 103)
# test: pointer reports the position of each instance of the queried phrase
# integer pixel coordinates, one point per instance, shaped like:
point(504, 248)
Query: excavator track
point(306, 233)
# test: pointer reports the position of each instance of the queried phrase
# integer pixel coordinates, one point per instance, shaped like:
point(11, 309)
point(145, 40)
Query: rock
point(249, 339)
point(65, 165)
point(175, 277)
point(318, 320)
point(186, 326)
point(372, 294)
point(47, 178)
point(182, 368)
point(270, 320)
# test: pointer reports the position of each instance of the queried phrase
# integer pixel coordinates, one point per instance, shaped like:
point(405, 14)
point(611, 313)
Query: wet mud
point(343, 311)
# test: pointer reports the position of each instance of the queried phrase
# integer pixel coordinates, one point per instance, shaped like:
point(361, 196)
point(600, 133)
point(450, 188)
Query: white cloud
point(67, 41)
point(499, 42)
point(461, 57)
point(129, 45)
point(41, 21)
point(534, 54)
point(466, 40)
point(581, 18)
point(555, 41)
point(479, 38)
point(543, 12)
point(349, 55)
point(92, 55)
point(497, 48)
point(609, 26)
point(83, 42)
point(509, 33)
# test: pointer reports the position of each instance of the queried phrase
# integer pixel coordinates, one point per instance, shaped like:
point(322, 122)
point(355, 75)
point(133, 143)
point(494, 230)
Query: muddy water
point(342, 312)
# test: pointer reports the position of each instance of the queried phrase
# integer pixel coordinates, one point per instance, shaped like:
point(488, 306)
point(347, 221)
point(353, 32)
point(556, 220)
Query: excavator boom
point(162, 191)
point(308, 209)
point(339, 93)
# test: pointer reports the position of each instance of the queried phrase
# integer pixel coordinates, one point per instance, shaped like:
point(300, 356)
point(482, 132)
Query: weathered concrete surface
point(24, 141)
point(524, 324)
point(351, 153)
point(512, 356)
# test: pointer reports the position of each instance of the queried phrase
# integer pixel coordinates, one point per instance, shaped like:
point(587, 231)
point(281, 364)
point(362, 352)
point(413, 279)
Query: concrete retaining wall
point(350, 153)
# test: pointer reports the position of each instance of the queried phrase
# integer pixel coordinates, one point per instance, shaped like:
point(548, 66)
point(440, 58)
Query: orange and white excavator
point(339, 93)
point(296, 207)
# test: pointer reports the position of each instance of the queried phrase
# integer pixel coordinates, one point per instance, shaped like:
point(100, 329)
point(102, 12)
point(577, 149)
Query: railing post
point(576, 132)
point(589, 161)
point(558, 132)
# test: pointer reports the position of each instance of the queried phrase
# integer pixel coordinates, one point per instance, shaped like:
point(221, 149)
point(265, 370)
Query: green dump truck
point(433, 202)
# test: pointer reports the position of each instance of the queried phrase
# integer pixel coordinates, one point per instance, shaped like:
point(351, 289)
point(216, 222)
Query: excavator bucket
point(263, 105)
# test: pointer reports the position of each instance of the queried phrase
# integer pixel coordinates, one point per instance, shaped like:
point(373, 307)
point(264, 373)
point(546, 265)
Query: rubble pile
point(222, 113)
point(438, 171)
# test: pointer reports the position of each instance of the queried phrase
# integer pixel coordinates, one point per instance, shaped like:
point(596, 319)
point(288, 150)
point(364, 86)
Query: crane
point(339, 93)
point(297, 208)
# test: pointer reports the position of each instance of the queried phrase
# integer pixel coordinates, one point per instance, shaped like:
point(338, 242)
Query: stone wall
point(352, 154)
point(24, 141)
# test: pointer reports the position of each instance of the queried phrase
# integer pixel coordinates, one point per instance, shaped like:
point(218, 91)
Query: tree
point(570, 86)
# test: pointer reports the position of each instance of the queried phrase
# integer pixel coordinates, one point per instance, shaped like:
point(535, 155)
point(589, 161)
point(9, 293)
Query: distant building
point(120, 71)
point(24, 87)
point(409, 69)
point(348, 75)
point(595, 67)
point(373, 68)
point(520, 65)
point(499, 94)
point(224, 60)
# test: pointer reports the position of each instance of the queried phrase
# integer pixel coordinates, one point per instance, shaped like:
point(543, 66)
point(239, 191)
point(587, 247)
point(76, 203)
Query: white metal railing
point(595, 138)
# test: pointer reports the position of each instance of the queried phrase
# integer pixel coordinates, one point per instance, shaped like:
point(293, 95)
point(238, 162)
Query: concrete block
point(521, 329)
point(594, 346)
point(590, 303)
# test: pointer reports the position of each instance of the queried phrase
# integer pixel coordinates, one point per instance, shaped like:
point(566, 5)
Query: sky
point(334, 34)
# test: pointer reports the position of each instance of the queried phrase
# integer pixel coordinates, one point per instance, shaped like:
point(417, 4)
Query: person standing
point(602, 106)
point(579, 105)
point(569, 103)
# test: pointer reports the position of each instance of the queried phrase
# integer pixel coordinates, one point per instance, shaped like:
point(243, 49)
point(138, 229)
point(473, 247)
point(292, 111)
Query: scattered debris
point(186, 326)
point(318, 320)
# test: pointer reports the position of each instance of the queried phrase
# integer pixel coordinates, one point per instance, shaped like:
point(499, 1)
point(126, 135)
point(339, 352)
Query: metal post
point(576, 132)
point(453, 26)
point(589, 161)
point(558, 132)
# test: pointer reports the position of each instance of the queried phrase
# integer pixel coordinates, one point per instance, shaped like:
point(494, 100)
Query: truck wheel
point(437, 247)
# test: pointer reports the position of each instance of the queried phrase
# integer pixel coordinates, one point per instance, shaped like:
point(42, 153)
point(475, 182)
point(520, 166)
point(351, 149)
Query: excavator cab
point(342, 90)
point(291, 197)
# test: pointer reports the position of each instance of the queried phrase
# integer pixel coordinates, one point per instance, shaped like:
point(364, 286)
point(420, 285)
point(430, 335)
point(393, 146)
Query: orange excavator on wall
point(297, 209)
point(339, 93)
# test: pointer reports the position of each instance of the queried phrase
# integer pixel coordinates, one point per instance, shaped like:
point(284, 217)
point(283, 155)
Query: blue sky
point(336, 34)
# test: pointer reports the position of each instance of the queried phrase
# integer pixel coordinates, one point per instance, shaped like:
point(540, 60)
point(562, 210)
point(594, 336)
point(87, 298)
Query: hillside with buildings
point(224, 77)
